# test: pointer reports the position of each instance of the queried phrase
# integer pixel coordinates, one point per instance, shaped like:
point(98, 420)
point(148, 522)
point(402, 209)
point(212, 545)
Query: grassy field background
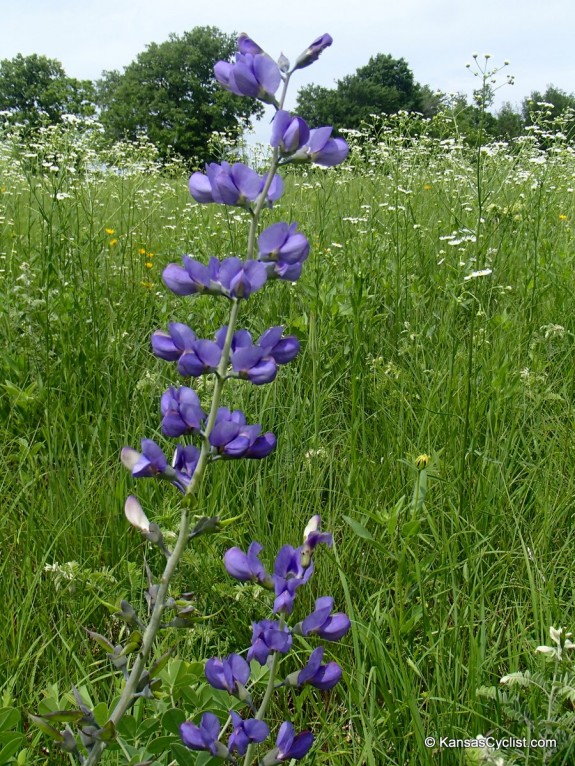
point(408, 347)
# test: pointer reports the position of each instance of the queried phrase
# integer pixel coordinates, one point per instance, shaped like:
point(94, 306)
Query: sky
point(436, 37)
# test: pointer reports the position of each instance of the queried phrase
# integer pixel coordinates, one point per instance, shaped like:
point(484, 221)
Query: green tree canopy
point(170, 93)
point(35, 90)
point(385, 85)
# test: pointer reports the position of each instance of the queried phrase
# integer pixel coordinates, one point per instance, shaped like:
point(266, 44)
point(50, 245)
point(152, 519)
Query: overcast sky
point(436, 37)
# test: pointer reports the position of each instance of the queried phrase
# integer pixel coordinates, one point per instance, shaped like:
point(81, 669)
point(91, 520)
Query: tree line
point(169, 93)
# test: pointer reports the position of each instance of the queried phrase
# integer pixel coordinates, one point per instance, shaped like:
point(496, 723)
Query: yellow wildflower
point(149, 265)
point(113, 242)
point(562, 217)
point(142, 251)
point(109, 232)
point(427, 187)
point(421, 462)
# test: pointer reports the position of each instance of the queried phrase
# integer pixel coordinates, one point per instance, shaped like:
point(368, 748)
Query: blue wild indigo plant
point(277, 252)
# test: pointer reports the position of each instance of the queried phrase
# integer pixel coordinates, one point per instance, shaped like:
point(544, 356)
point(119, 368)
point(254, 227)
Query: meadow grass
point(401, 355)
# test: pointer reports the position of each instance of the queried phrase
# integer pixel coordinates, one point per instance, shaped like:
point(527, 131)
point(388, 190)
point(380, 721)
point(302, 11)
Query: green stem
point(138, 668)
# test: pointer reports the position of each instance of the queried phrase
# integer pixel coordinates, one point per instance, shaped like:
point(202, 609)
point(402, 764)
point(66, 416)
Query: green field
point(408, 348)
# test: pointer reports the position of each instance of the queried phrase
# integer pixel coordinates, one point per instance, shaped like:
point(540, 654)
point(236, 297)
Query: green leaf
point(358, 528)
point(161, 744)
point(127, 727)
point(181, 754)
point(9, 718)
point(64, 716)
point(172, 719)
point(11, 746)
point(45, 728)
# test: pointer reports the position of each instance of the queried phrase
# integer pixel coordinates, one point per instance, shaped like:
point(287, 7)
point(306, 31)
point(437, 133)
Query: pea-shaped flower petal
point(246, 566)
point(181, 411)
point(245, 732)
point(291, 745)
point(320, 676)
point(289, 133)
point(322, 623)
point(205, 736)
point(227, 674)
point(268, 637)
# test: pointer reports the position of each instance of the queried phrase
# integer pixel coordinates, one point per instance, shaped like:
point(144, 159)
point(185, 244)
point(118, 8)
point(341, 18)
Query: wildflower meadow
point(287, 443)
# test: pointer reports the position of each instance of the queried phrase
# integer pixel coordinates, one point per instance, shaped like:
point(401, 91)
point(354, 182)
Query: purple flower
point(240, 339)
point(252, 74)
point(252, 363)
point(289, 575)
point(194, 277)
point(181, 411)
point(322, 149)
point(247, 45)
point(288, 133)
point(240, 279)
point(312, 53)
point(268, 637)
point(234, 184)
point(205, 736)
point(290, 745)
point(233, 438)
point(281, 349)
point(150, 462)
point(231, 277)
point(195, 357)
point(230, 675)
point(184, 463)
point(321, 622)
point(323, 677)
point(312, 535)
point(245, 732)
point(285, 248)
point(246, 567)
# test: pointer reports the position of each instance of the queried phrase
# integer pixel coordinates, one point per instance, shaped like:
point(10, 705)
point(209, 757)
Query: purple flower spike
point(283, 250)
point(245, 732)
point(312, 53)
point(268, 637)
point(322, 623)
point(246, 567)
point(290, 745)
point(323, 677)
point(181, 411)
point(289, 133)
point(229, 675)
point(205, 736)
